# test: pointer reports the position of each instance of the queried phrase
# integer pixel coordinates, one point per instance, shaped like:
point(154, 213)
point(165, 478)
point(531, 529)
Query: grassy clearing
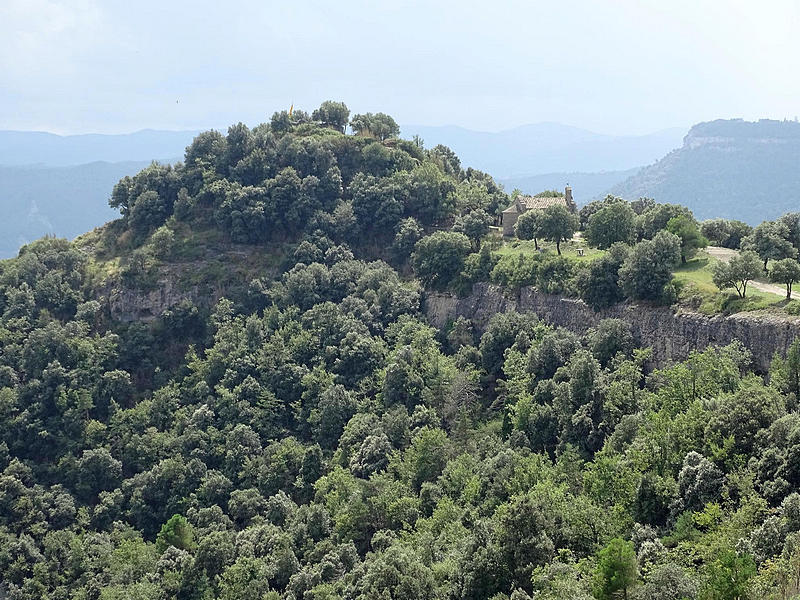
point(513, 247)
point(699, 292)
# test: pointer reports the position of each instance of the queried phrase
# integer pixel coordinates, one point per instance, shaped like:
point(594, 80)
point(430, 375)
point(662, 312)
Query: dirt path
point(725, 254)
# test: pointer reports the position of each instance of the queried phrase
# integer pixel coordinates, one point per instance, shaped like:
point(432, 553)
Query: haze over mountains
point(59, 185)
point(64, 201)
point(38, 147)
point(53, 184)
point(585, 186)
point(548, 148)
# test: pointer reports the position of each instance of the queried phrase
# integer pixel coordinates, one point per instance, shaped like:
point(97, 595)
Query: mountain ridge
point(21, 148)
point(737, 169)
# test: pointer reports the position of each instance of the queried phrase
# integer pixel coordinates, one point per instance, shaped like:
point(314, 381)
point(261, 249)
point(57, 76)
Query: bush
point(439, 258)
point(162, 240)
point(648, 269)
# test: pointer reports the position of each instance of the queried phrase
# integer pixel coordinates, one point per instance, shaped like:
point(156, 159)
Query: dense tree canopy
point(770, 241)
point(612, 223)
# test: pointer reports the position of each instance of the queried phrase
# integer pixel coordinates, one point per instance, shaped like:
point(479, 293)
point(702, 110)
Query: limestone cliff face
point(130, 304)
point(174, 284)
point(672, 335)
point(221, 271)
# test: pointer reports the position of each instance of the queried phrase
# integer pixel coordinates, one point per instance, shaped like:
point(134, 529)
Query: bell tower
point(568, 197)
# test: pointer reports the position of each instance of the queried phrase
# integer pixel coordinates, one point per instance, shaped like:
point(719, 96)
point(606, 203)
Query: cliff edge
point(672, 335)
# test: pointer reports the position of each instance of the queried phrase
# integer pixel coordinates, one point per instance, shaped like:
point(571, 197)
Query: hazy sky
point(619, 66)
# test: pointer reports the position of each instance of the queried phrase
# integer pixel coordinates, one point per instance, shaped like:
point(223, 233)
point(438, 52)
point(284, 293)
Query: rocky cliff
point(128, 304)
point(672, 335)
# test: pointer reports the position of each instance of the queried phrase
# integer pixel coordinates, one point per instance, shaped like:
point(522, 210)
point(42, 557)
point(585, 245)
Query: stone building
point(525, 203)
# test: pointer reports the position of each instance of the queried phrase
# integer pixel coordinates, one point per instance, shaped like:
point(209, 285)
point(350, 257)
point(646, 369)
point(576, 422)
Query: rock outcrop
point(128, 304)
point(671, 334)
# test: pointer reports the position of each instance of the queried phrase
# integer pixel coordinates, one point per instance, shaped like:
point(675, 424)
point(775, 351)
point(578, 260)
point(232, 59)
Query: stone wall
point(672, 335)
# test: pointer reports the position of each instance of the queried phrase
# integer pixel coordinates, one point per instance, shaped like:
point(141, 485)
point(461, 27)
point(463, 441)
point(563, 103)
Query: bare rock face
point(130, 304)
point(672, 335)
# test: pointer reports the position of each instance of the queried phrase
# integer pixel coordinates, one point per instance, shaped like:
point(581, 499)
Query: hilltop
point(727, 168)
point(59, 184)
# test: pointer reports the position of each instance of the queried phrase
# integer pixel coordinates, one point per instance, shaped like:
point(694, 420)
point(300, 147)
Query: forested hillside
point(733, 169)
point(309, 436)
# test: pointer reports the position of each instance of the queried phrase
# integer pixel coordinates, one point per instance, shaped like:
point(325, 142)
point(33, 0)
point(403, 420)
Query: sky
point(619, 67)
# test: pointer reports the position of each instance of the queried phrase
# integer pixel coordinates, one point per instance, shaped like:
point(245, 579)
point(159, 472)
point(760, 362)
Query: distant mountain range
point(727, 168)
point(53, 184)
point(548, 148)
point(60, 185)
point(36, 147)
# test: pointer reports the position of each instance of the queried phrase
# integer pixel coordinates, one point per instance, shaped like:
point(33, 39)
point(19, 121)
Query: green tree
point(737, 272)
point(668, 581)
point(439, 258)
point(163, 240)
point(655, 219)
point(610, 337)
point(396, 573)
point(688, 232)
point(787, 272)
point(770, 240)
point(475, 225)
point(648, 269)
point(427, 456)
point(598, 282)
point(524, 531)
point(246, 579)
point(557, 224)
point(617, 571)
point(527, 227)
point(729, 576)
point(334, 410)
point(612, 223)
point(332, 114)
point(407, 233)
point(175, 532)
point(725, 232)
point(148, 211)
point(97, 471)
point(379, 126)
point(741, 415)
